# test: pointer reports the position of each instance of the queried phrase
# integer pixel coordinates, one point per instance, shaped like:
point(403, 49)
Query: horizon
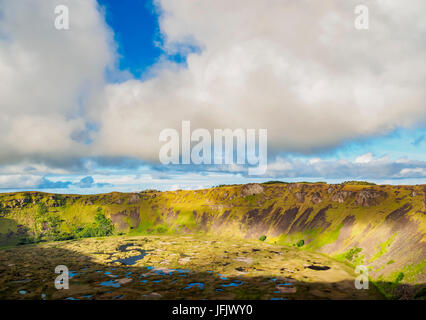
point(366, 184)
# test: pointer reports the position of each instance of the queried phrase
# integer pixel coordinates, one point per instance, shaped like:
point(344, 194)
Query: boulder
point(300, 196)
point(252, 189)
point(369, 197)
point(341, 196)
point(316, 198)
point(134, 198)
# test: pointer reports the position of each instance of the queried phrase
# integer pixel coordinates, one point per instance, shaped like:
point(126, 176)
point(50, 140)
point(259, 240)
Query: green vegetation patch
point(382, 248)
point(360, 183)
point(352, 256)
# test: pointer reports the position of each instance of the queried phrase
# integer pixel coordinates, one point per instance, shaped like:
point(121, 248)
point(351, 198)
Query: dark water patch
point(129, 261)
point(109, 274)
point(111, 283)
point(234, 283)
point(21, 281)
point(182, 270)
point(200, 285)
point(123, 248)
point(318, 268)
point(162, 272)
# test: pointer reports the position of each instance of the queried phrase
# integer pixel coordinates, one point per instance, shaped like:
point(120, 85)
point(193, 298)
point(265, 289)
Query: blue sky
point(137, 35)
point(136, 32)
point(147, 66)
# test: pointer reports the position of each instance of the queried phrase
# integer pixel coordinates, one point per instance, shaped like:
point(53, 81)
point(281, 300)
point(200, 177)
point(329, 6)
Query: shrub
point(300, 243)
point(262, 238)
point(60, 200)
point(399, 277)
point(161, 229)
point(103, 226)
point(53, 226)
point(3, 211)
point(100, 228)
point(360, 183)
point(352, 253)
point(42, 209)
point(25, 240)
point(421, 293)
point(275, 182)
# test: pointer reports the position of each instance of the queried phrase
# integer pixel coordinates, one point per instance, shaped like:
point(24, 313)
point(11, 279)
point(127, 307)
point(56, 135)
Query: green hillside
point(379, 226)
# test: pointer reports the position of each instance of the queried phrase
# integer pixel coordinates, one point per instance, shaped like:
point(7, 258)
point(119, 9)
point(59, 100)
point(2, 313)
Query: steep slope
point(382, 227)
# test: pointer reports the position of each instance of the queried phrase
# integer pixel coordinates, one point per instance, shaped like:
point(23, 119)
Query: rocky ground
point(175, 267)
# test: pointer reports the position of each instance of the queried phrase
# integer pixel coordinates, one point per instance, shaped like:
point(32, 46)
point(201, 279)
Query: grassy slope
point(383, 227)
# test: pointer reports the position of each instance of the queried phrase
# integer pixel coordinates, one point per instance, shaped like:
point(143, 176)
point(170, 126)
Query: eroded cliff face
point(383, 227)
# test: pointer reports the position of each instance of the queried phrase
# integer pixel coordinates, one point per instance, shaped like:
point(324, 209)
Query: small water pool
point(200, 285)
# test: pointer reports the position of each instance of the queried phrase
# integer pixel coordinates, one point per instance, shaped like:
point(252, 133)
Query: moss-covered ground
point(175, 267)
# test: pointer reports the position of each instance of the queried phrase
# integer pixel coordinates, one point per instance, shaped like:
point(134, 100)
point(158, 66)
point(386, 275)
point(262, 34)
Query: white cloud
point(314, 160)
point(48, 76)
point(367, 167)
point(299, 69)
point(19, 181)
point(413, 172)
point(365, 158)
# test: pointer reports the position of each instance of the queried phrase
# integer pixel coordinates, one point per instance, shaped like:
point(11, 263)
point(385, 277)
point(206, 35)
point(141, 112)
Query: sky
point(82, 109)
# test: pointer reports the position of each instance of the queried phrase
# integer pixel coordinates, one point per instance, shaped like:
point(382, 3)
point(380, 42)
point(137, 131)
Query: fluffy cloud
point(48, 76)
point(19, 181)
point(299, 69)
point(365, 158)
point(89, 182)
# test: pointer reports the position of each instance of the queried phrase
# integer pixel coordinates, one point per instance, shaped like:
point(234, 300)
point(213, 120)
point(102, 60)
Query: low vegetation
point(347, 221)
